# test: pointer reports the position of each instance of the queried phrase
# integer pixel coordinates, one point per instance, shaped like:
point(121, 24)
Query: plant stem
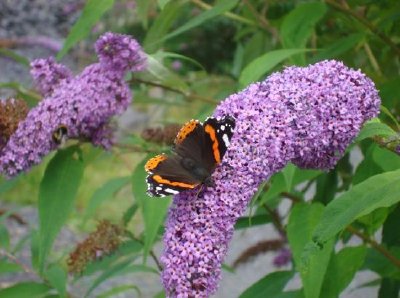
point(188, 95)
point(13, 259)
point(264, 24)
point(387, 254)
point(345, 9)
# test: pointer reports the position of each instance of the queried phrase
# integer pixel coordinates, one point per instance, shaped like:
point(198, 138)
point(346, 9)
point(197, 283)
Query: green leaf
point(6, 267)
point(118, 290)
point(375, 128)
point(252, 221)
point(129, 213)
point(288, 173)
point(57, 192)
point(161, 25)
point(57, 277)
point(127, 249)
point(142, 11)
point(265, 63)
point(35, 249)
point(378, 263)
point(105, 192)
point(341, 270)
point(163, 3)
point(107, 274)
point(153, 209)
point(271, 285)
point(311, 262)
point(299, 24)
point(25, 290)
point(387, 160)
point(326, 187)
point(164, 75)
point(339, 47)
point(91, 14)
point(4, 237)
point(220, 7)
point(17, 58)
point(378, 191)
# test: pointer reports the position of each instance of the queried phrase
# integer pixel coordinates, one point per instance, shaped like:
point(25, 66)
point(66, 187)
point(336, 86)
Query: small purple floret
point(83, 104)
point(304, 115)
point(283, 257)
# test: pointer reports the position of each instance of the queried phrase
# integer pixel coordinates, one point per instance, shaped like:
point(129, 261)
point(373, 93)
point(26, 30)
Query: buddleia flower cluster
point(80, 106)
point(304, 115)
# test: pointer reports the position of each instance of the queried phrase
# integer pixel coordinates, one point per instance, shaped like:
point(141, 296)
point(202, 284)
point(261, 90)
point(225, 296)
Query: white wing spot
point(225, 138)
point(222, 127)
point(171, 191)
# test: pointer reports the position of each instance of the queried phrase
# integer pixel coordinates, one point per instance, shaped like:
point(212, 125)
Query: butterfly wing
point(167, 176)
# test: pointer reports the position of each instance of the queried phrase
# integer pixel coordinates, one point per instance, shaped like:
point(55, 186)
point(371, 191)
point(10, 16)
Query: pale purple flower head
point(83, 104)
point(304, 115)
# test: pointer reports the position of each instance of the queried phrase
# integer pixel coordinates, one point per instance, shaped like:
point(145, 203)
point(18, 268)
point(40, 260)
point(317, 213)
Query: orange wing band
point(215, 147)
point(185, 130)
point(152, 163)
point(161, 180)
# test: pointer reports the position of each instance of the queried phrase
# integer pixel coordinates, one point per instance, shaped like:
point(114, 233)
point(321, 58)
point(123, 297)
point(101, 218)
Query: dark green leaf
point(161, 25)
point(4, 237)
point(341, 270)
point(251, 221)
point(269, 286)
point(153, 209)
point(129, 213)
point(35, 249)
point(339, 47)
point(299, 24)
point(105, 192)
point(25, 290)
point(288, 173)
point(378, 263)
point(265, 63)
point(390, 288)
point(220, 7)
point(326, 187)
point(367, 168)
point(91, 14)
point(311, 262)
point(376, 192)
point(57, 193)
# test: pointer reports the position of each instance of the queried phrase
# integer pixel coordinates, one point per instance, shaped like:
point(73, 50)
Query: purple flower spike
point(48, 74)
point(282, 258)
point(81, 105)
point(307, 116)
point(120, 52)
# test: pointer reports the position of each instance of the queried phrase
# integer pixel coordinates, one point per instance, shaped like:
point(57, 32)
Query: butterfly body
point(198, 149)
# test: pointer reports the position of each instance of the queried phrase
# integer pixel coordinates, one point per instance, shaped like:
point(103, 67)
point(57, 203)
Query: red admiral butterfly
point(198, 149)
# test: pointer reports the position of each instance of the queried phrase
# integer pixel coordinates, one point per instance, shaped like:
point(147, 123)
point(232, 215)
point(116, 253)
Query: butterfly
point(198, 149)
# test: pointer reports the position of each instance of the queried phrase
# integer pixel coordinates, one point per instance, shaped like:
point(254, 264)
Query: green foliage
point(199, 52)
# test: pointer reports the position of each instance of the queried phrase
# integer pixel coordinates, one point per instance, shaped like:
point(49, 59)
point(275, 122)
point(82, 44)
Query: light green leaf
point(299, 24)
point(265, 63)
point(289, 172)
point(341, 270)
point(153, 209)
point(164, 75)
point(311, 262)
point(57, 277)
point(6, 267)
point(105, 192)
point(220, 7)
point(161, 25)
point(118, 290)
point(163, 3)
point(142, 11)
point(178, 56)
point(57, 192)
point(339, 47)
point(375, 128)
point(91, 14)
point(25, 290)
point(378, 191)
point(270, 285)
point(13, 55)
